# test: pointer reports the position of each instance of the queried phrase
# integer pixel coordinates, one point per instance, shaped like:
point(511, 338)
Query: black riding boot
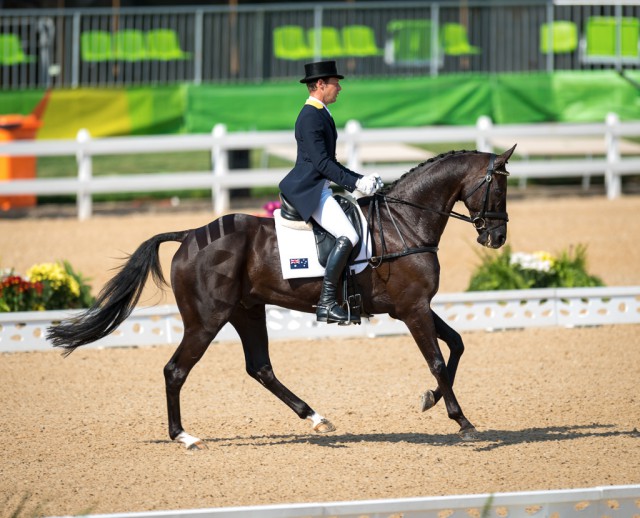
point(328, 309)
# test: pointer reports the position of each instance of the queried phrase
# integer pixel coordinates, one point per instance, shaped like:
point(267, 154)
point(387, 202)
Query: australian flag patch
point(299, 264)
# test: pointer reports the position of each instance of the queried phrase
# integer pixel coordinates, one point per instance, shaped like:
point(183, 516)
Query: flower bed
point(45, 286)
point(521, 271)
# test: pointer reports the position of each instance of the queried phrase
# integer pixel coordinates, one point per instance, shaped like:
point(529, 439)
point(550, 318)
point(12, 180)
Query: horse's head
point(487, 200)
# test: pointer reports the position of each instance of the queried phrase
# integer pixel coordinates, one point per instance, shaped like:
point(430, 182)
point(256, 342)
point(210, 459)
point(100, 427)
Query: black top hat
point(320, 69)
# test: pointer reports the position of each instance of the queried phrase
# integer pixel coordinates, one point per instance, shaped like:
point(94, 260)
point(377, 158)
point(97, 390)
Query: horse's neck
point(436, 191)
point(434, 184)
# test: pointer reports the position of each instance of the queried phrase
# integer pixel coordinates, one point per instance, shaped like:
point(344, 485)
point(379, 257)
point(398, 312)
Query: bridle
point(479, 221)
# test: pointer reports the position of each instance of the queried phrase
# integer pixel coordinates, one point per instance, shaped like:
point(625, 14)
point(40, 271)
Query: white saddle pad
point(298, 253)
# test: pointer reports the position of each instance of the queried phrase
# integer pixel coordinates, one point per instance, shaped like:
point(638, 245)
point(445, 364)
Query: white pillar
point(353, 129)
point(484, 125)
point(85, 175)
point(220, 157)
point(612, 143)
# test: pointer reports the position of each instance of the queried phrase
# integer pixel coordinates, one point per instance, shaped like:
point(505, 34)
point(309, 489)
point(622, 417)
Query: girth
point(325, 241)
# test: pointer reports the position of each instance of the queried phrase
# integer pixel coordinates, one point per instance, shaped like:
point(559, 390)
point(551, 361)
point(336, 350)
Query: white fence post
point(612, 180)
point(353, 129)
point(484, 124)
point(220, 157)
point(85, 174)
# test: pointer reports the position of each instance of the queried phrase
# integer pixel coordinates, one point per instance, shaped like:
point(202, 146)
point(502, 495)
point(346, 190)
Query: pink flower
point(270, 207)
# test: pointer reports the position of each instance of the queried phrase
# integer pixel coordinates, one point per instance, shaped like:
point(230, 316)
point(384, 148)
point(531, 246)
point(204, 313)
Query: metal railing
point(111, 47)
point(611, 165)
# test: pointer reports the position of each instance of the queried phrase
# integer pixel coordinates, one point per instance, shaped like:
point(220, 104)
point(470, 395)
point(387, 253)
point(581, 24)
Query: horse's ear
point(502, 159)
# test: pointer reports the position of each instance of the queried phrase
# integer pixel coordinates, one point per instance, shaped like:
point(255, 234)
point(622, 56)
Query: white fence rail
point(511, 309)
point(606, 160)
point(597, 502)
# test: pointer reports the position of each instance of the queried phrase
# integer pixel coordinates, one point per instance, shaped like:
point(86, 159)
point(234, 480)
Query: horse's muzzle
point(493, 237)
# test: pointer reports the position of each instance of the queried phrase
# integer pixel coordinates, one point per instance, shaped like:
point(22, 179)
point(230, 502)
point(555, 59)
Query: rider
point(307, 185)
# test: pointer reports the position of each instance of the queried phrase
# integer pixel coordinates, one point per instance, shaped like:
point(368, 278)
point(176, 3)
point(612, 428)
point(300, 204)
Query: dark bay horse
point(228, 270)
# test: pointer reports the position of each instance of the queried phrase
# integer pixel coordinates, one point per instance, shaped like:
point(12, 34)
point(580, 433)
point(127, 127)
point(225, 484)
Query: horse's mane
point(427, 164)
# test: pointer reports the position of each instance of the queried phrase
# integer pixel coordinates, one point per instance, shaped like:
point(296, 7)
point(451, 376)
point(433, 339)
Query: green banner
point(160, 110)
point(580, 96)
point(268, 106)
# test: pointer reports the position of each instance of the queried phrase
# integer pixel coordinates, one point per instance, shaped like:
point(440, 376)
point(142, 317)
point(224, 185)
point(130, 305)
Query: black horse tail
point(117, 299)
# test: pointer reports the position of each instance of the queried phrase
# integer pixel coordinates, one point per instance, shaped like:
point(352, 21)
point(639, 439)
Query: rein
point(479, 221)
point(376, 260)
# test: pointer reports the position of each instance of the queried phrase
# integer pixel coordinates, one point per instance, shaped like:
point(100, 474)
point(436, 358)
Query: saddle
point(324, 240)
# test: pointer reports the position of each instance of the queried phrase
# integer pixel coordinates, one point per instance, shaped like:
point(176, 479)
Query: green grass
point(55, 167)
point(143, 163)
point(147, 163)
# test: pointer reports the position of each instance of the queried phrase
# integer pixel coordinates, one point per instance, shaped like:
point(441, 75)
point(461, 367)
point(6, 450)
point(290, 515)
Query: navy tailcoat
point(316, 161)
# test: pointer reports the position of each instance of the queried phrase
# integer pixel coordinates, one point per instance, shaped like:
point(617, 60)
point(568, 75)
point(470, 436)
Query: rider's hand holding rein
point(369, 185)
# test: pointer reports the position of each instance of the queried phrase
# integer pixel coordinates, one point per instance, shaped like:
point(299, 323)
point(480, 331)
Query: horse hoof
point(324, 426)
point(197, 446)
point(468, 434)
point(190, 442)
point(427, 400)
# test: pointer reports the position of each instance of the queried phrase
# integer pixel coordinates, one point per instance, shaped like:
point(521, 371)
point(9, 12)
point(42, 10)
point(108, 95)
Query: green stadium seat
point(456, 41)
point(359, 41)
point(164, 45)
point(409, 43)
point(327, 41)
point(630, 36)
point(96, 46)
point(290, 42)
point(563, 34)
point(601, 39)
point(11, 52)
point(129, 45)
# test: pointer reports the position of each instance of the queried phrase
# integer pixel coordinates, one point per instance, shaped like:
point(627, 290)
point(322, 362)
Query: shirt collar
point(317, 101)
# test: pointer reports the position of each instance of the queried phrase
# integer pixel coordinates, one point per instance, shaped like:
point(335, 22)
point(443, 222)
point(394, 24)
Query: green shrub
point(521, 271)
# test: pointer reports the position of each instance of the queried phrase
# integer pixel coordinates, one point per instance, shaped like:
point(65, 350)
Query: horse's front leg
point(251, 326)
point(456, 347)
point(423, 330)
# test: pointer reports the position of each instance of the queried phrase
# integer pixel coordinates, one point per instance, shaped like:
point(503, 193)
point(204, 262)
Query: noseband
point(480, 221)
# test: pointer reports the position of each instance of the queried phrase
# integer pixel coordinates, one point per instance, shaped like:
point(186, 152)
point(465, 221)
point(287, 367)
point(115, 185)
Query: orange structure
point(19, 127)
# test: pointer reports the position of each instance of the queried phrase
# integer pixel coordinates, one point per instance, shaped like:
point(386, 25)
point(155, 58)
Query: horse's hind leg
point(194, 343)
point(251, 325)
point(456, 347)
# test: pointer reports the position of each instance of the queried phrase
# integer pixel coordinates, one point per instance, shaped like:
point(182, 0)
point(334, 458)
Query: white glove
point(370, 184)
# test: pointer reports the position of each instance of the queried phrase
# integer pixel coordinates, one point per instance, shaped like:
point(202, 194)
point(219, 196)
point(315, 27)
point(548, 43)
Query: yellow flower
point(545, 256)
point(74, 287)
point(56, 275)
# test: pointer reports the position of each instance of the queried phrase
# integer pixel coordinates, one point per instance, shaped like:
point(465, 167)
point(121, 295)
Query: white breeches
point(330, 216)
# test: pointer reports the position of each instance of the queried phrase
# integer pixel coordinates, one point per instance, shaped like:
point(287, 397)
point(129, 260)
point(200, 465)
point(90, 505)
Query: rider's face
point(330, 88)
